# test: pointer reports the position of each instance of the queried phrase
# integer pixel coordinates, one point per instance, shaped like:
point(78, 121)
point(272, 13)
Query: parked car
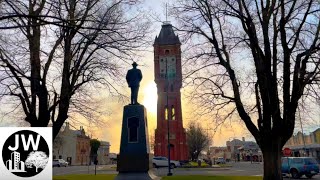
point(299, 166)
point(220, 160)
point(163, 162)
point(59, 163)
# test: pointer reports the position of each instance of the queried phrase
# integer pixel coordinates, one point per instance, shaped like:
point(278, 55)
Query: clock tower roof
point(166, 36)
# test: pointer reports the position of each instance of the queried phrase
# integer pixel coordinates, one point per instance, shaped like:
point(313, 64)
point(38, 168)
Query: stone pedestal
point(134, 145)
point(137, 176)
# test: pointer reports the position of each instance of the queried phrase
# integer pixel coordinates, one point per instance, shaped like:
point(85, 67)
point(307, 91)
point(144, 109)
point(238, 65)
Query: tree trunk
point(58, 123)
point(272, 159)
point(65, 86)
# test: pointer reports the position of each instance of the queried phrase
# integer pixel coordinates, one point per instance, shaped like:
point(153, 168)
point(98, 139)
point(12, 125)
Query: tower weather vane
point(166, 12)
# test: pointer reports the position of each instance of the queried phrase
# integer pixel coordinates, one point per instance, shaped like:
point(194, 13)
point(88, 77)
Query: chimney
point(243, 139)
point(67, 125)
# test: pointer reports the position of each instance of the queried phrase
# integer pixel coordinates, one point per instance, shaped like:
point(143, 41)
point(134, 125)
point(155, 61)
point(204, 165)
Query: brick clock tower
point(167, 60)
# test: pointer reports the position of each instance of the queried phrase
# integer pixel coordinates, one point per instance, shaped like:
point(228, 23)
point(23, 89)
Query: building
point(15, 157)
point(233, 146)
point(104, 153)
point(83, 147)
point(72, 146)
point(15, 164)
point(250, 151)
point(216, 152)
point(168, 77)
point(9, 164)
point(237, 150)
point(113, 158)
point(305, 145)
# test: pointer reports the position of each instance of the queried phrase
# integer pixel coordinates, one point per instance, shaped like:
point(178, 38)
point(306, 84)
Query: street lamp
point(250, 155)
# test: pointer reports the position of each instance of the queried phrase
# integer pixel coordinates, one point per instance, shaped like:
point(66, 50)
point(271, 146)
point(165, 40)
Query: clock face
point(171, 65)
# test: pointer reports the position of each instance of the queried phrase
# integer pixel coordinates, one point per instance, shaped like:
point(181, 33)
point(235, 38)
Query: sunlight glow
point(150, 97)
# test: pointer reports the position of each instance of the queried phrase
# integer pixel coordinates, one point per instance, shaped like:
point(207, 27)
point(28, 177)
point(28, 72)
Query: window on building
point(133, 124)
point(167, 51)
point(166, 113)
point(173, 114)
point(171, 88)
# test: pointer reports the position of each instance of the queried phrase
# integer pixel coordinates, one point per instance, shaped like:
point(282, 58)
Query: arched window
point(173, 114)
point(166, 113)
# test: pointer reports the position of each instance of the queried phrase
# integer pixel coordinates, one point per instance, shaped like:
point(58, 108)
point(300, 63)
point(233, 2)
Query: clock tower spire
point(168, 77)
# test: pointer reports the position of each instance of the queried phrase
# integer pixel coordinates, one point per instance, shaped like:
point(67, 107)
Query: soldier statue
point(134, 77)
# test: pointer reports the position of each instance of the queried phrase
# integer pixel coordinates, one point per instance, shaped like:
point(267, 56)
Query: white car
point(59, 163)
point(163, 162)
point(220, 160)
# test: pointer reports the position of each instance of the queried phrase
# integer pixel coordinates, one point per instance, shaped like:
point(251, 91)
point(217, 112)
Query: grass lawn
point(224, 165)
point(195, 164)
point(212, 178)
point(86, 177)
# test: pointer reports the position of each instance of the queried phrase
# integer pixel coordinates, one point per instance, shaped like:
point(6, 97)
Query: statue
point(134, 77)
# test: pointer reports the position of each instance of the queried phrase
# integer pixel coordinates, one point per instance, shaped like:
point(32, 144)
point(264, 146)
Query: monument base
point(134, 144)
point(137, 176)
point(133, 163)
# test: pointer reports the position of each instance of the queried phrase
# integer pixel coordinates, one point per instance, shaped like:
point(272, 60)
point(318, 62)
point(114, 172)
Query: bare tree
point(60, 50)
point(254, 57)
point(197, 140)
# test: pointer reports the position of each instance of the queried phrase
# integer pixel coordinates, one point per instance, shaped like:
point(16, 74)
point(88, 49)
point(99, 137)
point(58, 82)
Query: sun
point(150, 97)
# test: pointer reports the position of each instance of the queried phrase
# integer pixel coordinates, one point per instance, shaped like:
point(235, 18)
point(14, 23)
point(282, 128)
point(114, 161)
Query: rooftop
point(167, 35)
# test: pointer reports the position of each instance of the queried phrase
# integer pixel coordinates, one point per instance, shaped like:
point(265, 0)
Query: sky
point(110, 130)
point(148, 96)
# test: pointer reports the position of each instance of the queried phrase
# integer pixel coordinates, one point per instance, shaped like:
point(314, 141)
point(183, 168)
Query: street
point(237, 169)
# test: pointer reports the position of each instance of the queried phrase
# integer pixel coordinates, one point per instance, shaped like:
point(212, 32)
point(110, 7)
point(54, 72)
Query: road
point(237, 169)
